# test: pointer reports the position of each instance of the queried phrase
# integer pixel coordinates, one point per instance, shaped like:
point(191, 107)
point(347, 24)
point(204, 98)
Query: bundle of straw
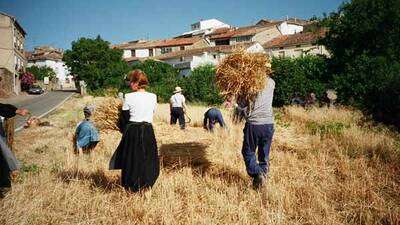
point(243, 74)
point(9, 127)
point(106, 114)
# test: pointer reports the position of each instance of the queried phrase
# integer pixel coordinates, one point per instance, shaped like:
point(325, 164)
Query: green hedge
point(200, 86)
point(303, 75)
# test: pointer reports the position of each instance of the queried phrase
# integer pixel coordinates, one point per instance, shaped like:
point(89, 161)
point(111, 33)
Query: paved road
point(40, 105)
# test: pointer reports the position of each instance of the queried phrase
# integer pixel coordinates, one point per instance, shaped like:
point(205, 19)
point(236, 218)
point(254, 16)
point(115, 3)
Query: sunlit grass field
point(328, 166)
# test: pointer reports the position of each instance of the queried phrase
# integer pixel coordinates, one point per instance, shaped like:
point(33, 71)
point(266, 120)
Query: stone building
point(12, 57)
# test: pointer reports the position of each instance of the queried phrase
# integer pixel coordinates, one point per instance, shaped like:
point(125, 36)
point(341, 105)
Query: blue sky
point(59, 22)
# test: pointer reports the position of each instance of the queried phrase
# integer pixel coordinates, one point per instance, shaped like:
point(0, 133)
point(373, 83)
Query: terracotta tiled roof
point(294, 39)
point(196, 51)
point(45, 53)
point(237, 32)
point(159, 43)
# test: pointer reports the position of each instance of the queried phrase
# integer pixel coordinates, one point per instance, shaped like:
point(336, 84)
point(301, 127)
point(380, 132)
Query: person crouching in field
point(213, 115)
point(177, 107)
point(136, 154)
point(258, 132)
point(86, 134)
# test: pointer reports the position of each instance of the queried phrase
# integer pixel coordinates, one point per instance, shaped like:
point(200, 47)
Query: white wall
point(212, 23)
point(127, 53)
point(256, 48)
point(59, 68)
point(140, 53)
point(287, 29)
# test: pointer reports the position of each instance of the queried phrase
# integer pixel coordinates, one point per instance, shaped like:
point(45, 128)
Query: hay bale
point(106, 115)
point(243, 74)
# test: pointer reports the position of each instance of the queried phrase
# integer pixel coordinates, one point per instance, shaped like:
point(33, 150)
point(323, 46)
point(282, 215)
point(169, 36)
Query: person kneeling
point(86, 134)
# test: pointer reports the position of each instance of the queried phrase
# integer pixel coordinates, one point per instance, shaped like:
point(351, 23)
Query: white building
point(287, 28)
point(296, 45)
point(205, 27)
point(51, 57)
point(188, 60)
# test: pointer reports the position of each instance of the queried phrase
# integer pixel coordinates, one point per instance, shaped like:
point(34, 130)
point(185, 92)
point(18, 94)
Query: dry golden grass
point(320, 174)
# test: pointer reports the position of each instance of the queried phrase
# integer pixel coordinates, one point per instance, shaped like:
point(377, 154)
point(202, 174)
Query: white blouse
point(141, 106)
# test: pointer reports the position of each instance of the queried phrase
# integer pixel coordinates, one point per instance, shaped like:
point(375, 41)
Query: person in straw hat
point(136, 154)
point(178, 107)
point(8, 163)
point(258, 132)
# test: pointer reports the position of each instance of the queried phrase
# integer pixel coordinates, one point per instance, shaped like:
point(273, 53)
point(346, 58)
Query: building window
point(133, 53)
point(196, 26)
point(151, 52)
point(281, 54)
point(298, 46)
point(215, 56)
point(166, 50)
point(182, 48)
point(243, 39)
point(181, 59)
point(222, 42)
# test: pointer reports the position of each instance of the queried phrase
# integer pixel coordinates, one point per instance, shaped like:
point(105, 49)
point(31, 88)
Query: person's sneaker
point(258, 181)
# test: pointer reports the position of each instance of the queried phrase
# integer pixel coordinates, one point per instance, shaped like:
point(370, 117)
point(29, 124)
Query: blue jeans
point(213, 115)
point(257, 136)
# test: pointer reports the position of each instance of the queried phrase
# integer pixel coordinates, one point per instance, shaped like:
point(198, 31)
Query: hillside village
point(207, 42)
point(210, 40)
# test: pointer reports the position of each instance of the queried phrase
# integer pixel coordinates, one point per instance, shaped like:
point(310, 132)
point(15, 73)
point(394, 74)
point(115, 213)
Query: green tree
point(163, 78)
point(41, 72)
point(364, 40)
point(303, 75)
point(93, 61)
point(200, 85)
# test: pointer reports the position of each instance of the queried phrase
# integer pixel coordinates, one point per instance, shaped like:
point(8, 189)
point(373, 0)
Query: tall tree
point(93, 61)
point(364, 40)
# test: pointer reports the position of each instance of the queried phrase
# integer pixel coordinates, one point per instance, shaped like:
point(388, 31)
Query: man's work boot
point(258, 181)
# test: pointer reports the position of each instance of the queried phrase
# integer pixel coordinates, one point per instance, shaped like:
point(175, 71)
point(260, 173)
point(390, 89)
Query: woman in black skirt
point(137, 154)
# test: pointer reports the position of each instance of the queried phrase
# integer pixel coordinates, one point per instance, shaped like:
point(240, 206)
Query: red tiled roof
point(196, 51)
point(44, 53)
point(159, 43)
point(237, 32)
point(294, 39)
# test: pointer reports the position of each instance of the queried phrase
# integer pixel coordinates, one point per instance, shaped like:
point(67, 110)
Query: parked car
point(35, 90)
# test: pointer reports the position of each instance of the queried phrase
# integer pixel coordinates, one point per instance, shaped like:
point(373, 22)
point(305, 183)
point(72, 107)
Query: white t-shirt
point(141, 106)
point(177, 100)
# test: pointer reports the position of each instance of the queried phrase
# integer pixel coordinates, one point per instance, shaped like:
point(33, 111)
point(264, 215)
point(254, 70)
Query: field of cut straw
point(328, 166)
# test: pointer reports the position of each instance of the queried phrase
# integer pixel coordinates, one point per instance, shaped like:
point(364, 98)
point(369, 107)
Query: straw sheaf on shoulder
point(243, 74)
point(107, 114)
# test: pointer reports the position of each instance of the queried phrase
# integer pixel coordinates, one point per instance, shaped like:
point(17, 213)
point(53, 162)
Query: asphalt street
point(40, 105)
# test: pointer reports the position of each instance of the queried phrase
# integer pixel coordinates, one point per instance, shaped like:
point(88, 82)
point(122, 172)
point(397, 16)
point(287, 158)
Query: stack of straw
point(106, 115)
point(243, 74)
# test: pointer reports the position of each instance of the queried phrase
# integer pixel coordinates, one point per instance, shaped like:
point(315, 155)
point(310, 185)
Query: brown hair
point(138, 76)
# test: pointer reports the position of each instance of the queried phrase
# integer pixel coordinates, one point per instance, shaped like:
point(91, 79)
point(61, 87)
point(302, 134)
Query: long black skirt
point(137, 157)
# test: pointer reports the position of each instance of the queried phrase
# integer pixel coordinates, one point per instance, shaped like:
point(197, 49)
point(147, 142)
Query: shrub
point(303, 75)
point(27, 80)
point(41, 72)
point(200, 85)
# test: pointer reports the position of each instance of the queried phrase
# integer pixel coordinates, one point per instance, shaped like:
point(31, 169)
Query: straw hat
point(177, 90)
